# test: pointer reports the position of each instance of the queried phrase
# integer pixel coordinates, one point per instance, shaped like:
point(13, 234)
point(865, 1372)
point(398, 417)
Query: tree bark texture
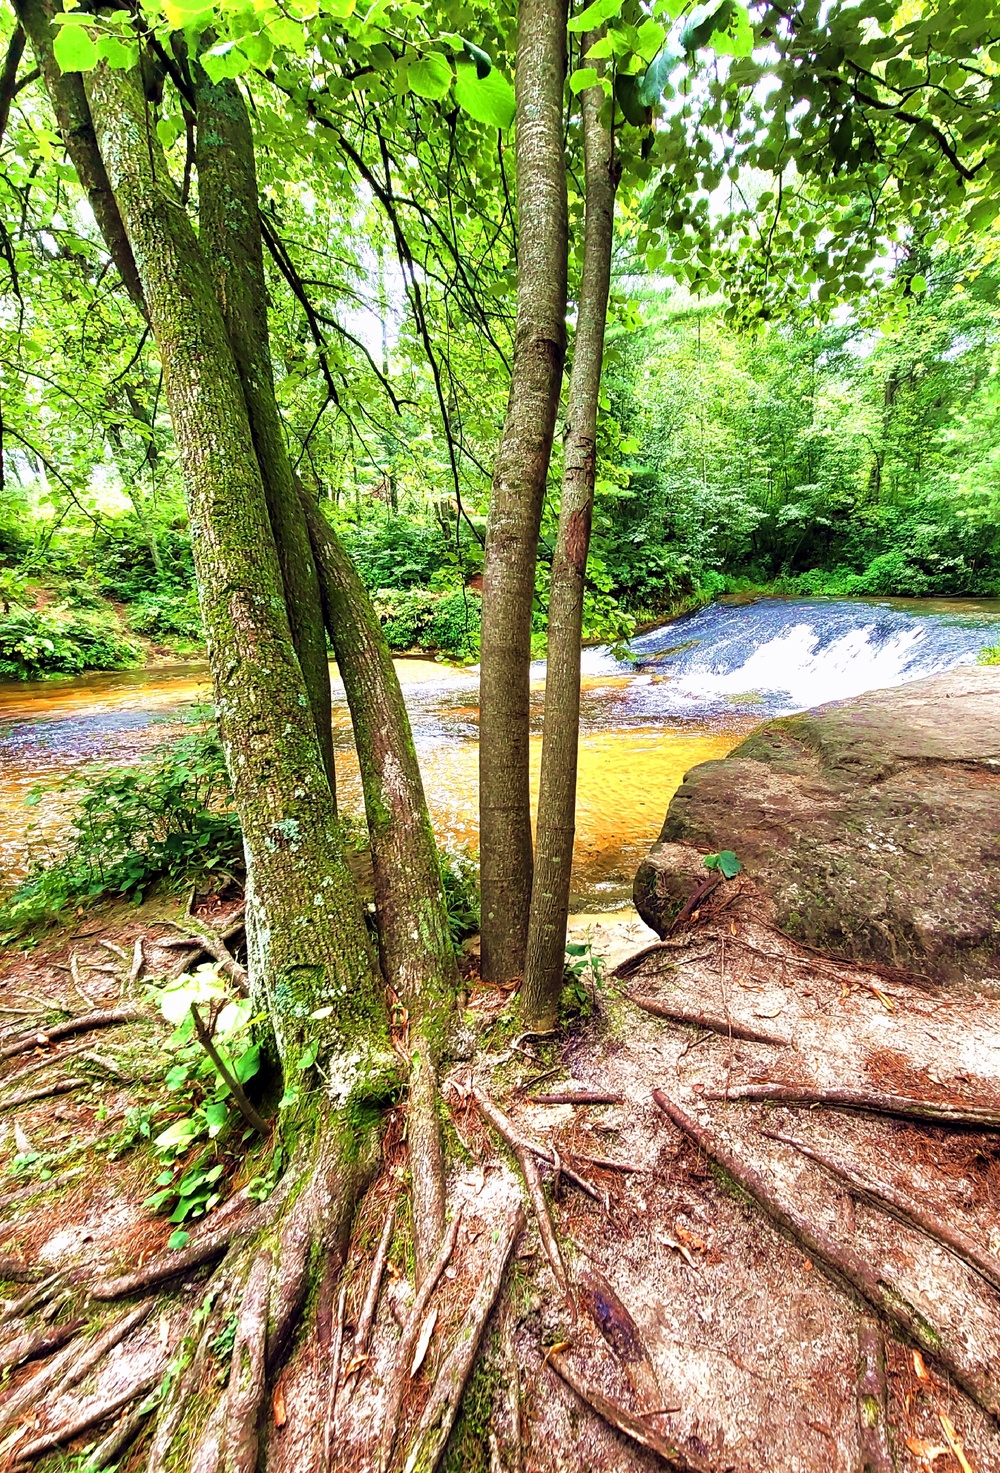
point(556, 825)
point(307, 942)
point(231, 238)
point(519, 488)
point(69, 102)
point(418, 957)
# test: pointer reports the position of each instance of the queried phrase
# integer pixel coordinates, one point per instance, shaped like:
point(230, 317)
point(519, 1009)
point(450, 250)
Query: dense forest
point(333, 333)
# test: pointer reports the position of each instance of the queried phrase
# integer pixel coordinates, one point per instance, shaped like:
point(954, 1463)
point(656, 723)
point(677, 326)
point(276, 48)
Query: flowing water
point(687, 692)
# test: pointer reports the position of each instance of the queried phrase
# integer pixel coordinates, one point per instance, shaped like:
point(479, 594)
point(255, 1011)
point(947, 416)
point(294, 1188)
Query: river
point(688, 692)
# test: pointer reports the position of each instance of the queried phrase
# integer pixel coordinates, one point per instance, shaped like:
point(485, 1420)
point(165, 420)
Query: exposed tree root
point(407, 1343)
point(882, 1195)
point(15, 1270)
point(42, 1037)
point(970, 1117)
point(204, 938)
point(369, 1308)
point(16, 1309)
point(438, 1417)
point(526, 1159)
point(247, 1378)
point(426, 1160)
point(873, 1402)
point(519, 1142)
point(36, 1343)
point(43, 1092)
point(840, 1264)
point(623, 1421)
point(82, 1421)
point(333, 1380)
point(707, 1020)
point(168, 1265)
point(46, 1062)
point(120, 1437)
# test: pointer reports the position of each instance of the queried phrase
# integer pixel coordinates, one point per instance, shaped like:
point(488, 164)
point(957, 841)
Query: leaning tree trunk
point(556, 827)
point(418, 957)
point(306, 933)
point(231, 236)
point(519, 488)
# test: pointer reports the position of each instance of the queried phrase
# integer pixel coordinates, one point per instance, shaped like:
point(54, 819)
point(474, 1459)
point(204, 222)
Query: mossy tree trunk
point(418, 957)
point(556, 826)
point(519, 488)
point(308, 942)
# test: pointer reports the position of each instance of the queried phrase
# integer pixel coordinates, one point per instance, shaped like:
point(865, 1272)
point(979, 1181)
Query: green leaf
point(168, 130)
point(725, 861)
point(258, 48)
point(117, 54)
point(480, 59)
point(629, 99)
point(216, 1114)
point(918, 283)
point(178, 1135)
point(656, 76)
point(290, 34)
point(735, 39)
point(248, 1063)
point(489, 100)
point(178, 1239)
point(595, 15)
point(582, 78)
point(704, 21)
point(225, 60)
point(308, 1056)
point(75, 49)
point(429, 77)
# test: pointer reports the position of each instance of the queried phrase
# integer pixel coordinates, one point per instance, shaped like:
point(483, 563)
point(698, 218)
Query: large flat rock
point(870, 826)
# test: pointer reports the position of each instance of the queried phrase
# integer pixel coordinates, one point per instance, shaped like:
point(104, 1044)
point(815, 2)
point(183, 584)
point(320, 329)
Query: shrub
point(460, 878)
point(167, 820)
point(167, 615)
point(989, 655)
point(60, 641)
point(417, 618)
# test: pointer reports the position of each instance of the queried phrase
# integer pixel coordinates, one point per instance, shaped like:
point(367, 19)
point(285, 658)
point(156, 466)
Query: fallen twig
point(525, 1154)
point(336, 1351)
point(616, 1416)
point(138, 962)
point(74, 971)
point(840, 1264)
point(236, 1089)
point(41, 1037)
point(983, 1117)
point(366, 1319)
point(575, 1097)
point(707, 1020)
point(907, 1212)
point(439, 1414)
point(408, 1339)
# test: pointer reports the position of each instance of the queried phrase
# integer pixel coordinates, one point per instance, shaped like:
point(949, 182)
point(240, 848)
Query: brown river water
point(688, 693)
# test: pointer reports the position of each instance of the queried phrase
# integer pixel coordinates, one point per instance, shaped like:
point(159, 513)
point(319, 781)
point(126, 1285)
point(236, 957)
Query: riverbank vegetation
point(299, 299)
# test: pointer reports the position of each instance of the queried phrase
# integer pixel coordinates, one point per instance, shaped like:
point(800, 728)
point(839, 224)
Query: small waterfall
point(776, 656)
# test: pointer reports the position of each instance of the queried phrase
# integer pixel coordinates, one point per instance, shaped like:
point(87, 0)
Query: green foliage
point(583, 979)
point(725, 862)
point(460, 878)
point(167, 615)
point(35, 643)
point(168, 820)
point(419, 619)
point(989, 655)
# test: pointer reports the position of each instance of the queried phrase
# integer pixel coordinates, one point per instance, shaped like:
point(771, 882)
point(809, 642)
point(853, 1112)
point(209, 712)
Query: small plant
point(583, 979)
point(989, 655)
point(725, 862)
point(460, 878)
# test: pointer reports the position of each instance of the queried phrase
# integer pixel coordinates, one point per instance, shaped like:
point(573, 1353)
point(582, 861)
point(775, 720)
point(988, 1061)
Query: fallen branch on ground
point(882, 1195)
point(714, 1024)
point(407, 1342)
point(621, 1420)
point(971, 1117)
point(42, 1037)
point(525, 1154)
point(439, 1414)
point(575, 1097)
point(840, 1264)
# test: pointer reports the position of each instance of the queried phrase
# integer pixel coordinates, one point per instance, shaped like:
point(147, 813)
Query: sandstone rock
point(870, 827)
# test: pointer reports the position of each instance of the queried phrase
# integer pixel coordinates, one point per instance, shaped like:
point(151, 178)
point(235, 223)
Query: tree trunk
point(519, 488)
point(557, 791)
point(231, 236)
point(418, 957)
point(69, 102)
point(307, 941)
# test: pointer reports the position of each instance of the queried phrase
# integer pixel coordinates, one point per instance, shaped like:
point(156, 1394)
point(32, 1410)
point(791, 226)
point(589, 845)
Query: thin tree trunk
point(557, 791)
point(308, 947)
point(231, 235)
point(519, 488)
point(418, 957)
point(69, 102)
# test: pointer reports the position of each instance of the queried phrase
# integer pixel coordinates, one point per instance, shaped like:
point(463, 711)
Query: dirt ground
point(688, 1310)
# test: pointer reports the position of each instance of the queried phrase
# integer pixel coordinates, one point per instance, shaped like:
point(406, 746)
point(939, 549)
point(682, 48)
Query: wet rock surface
point(870, 828)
